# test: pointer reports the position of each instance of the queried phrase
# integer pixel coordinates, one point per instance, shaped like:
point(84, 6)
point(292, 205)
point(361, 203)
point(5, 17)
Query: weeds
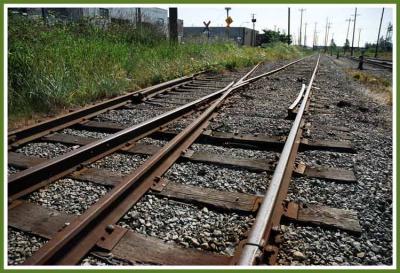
point(65, 65)
point(378, 85)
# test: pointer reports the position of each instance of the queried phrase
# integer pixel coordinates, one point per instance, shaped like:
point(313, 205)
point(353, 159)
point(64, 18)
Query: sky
point(271, 16)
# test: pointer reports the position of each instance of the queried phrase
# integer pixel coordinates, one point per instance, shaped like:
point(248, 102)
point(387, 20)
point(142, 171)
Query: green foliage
point(65, 65)
point(271, 36)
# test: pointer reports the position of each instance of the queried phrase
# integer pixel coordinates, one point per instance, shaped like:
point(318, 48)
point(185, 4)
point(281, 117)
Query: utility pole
point(348, 27)
point(288, 23)
point(173, 25)
point(315, 35)
point(138, 16)
point(326, 33)
point(329, 28)
point(301, 23)
point(354, 29)
point(388, 31)
point(253, 20)
point(359, 34)
point(305, 34)
point(139, 19)
point(379, 33)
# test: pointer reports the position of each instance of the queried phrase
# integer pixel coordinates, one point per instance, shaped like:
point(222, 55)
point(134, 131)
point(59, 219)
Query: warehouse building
point(241, 35)
point(102, 16)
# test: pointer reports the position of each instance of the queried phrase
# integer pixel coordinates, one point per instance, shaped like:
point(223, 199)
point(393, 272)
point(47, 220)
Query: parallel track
point(96, 229)
point(375, 62)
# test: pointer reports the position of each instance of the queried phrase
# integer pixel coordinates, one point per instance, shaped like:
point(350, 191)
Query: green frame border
point(3, 136)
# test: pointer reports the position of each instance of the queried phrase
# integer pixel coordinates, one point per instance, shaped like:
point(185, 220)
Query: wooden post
point(379, 33)
point(173, 25)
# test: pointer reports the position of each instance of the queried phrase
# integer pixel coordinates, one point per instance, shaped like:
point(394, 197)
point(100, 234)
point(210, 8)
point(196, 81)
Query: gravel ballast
point(251, 125)
point(235, 152)
point(152, 141)
point(187, 225)
point(84, 133)
point(45, 149)
point(128, 117)
point(68, 195)
point(218, 177)
point(120, 163)
point(306, 245)
point(22, 245)
point(327, 159)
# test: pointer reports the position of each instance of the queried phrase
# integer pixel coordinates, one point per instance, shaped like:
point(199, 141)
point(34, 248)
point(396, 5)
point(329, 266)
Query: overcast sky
point(275, 16)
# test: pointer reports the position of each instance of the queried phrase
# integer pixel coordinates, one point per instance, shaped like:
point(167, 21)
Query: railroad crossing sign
point(206, 26)
point(228, 21)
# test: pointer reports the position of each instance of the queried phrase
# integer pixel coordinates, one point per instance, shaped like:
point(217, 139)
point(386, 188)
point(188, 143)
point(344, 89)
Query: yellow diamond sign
point(228, 21)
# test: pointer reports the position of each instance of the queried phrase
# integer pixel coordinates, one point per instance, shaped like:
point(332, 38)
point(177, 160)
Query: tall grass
point(59, 66)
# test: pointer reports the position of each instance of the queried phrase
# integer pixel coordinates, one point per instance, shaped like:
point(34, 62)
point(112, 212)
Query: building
point(102, 16)
point(241, 35)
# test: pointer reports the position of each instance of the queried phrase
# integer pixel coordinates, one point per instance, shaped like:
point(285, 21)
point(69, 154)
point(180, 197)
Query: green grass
point(51, 68)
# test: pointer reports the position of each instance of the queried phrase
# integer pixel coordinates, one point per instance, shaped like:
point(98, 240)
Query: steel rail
point(33, 178)
point(76, 240)
point(297, 100)
point(373, 63)
point(273, 71)
point(256, 240)
point(30, 133)
point(72, 243)
point(380, 61)
point(379, 64)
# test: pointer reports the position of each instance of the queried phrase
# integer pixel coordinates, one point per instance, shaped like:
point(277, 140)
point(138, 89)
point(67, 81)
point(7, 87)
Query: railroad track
point(175, 159)
point(375, 62)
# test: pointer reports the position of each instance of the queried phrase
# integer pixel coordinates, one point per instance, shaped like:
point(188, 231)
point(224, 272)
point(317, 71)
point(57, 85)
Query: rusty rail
point(273, 71)
point(271, 207)
point(377, 63)
point(33, 178)
point(27, 134)
point(76, 240)
point(299, 96)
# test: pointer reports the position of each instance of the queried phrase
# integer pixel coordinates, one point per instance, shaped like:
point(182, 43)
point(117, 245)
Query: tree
point(271, 36)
